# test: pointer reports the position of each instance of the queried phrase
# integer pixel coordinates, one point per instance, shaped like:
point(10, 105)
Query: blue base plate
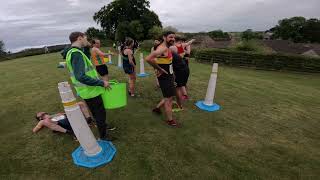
point(104, 157)
point(214, 107)
point(143, 75)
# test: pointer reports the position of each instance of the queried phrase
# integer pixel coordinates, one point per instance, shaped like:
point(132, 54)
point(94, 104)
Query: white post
point(212, 86)
point(110, 58)
point(141, 64)
point(119, 61)
point(78, 122)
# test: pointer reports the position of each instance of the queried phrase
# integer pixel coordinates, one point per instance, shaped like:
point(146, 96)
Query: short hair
point(94, 41)
point(167, 33)
point(73, 37)
point(128, 41)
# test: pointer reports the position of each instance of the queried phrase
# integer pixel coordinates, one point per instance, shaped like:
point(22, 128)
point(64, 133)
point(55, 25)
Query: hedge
point(258, 60)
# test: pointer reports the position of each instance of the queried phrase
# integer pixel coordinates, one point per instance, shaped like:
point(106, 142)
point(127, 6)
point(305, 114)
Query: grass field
point(268, 128)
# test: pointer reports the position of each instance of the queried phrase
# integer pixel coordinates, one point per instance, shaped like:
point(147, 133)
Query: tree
point(170, 28)
point(219, 34)
point(2, 49)
point(136, 30)
point(155, 32)
point(122, 31)
point(118, 11)
point(311, 30)
point(249, 34)
point(290, 29)
point(95, 33)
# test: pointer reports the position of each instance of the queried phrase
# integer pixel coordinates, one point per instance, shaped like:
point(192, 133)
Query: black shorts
point(166, 82)
point(128, 68)
point(102, 70)
point(181, 77)
point(64, 123)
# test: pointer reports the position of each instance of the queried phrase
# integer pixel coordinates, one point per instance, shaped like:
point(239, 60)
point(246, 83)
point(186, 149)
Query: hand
point(161, 71)
point(106, 85)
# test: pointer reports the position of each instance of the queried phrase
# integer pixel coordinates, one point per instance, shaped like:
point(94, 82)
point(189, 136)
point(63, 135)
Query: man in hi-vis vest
point(86, 81)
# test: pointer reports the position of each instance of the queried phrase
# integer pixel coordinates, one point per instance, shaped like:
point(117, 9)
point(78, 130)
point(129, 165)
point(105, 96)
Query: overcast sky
point(26, 23)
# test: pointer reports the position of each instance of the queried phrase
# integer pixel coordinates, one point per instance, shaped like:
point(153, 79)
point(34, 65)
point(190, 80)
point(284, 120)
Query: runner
point(180, 47)
point(129, 64)
point(98, 59)
point(161, 60)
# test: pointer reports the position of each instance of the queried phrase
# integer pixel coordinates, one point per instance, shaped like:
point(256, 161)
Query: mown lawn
point(268, 128)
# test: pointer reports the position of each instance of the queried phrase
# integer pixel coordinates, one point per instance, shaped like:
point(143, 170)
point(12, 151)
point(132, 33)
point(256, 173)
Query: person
point(86, 82)
point(98, 59)
point(59, 122)
point(156, 43)
point(129, 64)
point(180, 47)
point(161, 60)
point(179, 77)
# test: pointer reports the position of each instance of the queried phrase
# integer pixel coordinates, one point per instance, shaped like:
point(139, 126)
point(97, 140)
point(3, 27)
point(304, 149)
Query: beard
point(170, 43)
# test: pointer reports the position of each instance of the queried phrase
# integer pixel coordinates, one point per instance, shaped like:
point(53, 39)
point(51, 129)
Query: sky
point(32, 23)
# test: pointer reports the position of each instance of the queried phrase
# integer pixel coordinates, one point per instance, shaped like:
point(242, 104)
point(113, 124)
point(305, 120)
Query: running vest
point(181, 51)
point(97, 59)
point(83, 90)
point(165, 59)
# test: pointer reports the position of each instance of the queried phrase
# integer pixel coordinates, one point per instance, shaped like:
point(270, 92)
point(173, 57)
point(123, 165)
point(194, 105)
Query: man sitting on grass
point(59, 122)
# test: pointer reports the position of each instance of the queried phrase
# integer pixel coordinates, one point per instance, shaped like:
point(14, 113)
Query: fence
point(258, 61)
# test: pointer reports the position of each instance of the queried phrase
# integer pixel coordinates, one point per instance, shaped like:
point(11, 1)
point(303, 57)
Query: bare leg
point(132, 81)
point(161, 103)
point(184, 91)
point(168, 108)
point(179, 96)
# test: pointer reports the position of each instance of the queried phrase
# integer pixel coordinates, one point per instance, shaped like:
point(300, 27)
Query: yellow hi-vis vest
point(83, 90)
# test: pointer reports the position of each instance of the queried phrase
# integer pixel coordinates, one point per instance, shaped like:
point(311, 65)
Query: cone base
point(109, 62)
point(202, 106)
point(104, 157)
point(143, 75)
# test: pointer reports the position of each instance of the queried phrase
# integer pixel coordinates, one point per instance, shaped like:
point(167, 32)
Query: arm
point(188, 43)
point(151, 59)
point(130, 56)
point(100, 53)
point(174, 49)
point(79, 71)
point(38, 127)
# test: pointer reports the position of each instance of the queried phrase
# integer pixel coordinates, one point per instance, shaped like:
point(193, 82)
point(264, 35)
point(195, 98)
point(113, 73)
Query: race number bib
point(171, 69)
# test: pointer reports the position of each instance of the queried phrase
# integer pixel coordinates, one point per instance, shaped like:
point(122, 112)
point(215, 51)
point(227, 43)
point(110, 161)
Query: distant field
point(268, 128)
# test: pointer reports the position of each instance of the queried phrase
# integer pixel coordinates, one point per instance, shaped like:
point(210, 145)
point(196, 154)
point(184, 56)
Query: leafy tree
point(2, 49)
point(136, 30)
point(95, 33)
point(290, 29)
point(122, 31)
point(249, 34)
point(311, 30)
point(119, 11)
point(218, 34)
point(155, 32)
point(170, 28)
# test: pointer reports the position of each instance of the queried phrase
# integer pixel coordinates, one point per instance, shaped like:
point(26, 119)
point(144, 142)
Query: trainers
point(172, 123)
point(156, 111)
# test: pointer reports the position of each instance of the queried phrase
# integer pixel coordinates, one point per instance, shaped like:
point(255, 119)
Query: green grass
point(268, 127)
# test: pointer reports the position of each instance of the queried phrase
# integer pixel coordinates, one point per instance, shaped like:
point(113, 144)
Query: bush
point(146, 45)
point(258, 60)
point(248, 46)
